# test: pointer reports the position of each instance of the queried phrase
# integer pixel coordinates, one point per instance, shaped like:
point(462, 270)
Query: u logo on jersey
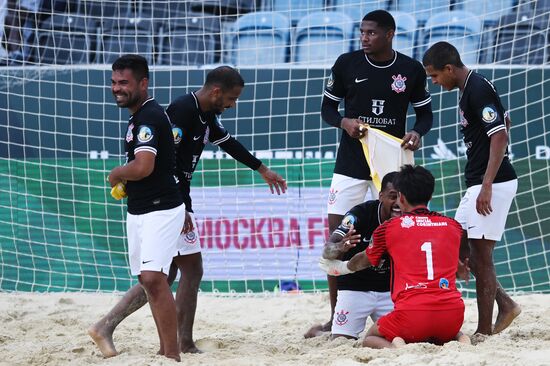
point(398, 84)
point(378, 106)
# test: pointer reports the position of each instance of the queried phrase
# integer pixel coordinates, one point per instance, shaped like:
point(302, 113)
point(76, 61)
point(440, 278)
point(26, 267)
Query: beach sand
point(50, 329)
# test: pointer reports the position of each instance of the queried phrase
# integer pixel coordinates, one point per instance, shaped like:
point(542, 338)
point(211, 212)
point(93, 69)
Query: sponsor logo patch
point(330, 81)
point(488, 115)
point(178, 134)
point(348, 220)
point(145, 134)
point(191, 237)
point(407, 222)
point(332, 196)
point(341, 317)
point(444, 283)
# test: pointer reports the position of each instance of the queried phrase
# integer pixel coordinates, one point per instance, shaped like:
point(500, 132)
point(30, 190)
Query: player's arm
point(421, 101)
point(338, 244)
point(142, 166)
point(335, 267)
point(499, 142)
point(329, 112)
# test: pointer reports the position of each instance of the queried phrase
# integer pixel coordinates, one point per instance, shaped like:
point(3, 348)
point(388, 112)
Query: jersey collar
point(198, 107)
point(465, 84)
point(141, 106)
point(382, 67)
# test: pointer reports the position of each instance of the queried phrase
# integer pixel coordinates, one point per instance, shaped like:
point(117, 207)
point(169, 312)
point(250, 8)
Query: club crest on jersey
point(129, 134)
point(348, 220)
point(463, 121)
point(444, 283)
point(191, 237)
point(398, 84)
point(332, 196)
point(341, 317)
point(145, 134)
point(178, 134)
point(407, 222)
point(489, 115)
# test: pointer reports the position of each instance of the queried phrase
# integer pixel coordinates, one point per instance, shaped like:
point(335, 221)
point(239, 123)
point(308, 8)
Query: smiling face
point(388, 198)
point(375, 39)
point(224, 100)
point(446, 77)
point(127, 90)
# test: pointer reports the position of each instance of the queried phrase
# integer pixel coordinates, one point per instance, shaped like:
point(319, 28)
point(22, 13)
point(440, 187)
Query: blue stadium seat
point(193, 39)
point(522, 39)
point(422, 9)
point(404, 40)
point(66, 39)
point(321, 37)
point(460, 28)
point(489, 11)
point(127, 35)
point(296, 9)
point(260, 38)
point(357, 9)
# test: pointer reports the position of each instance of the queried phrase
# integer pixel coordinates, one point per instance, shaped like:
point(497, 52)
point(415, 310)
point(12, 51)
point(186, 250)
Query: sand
point(50, 329)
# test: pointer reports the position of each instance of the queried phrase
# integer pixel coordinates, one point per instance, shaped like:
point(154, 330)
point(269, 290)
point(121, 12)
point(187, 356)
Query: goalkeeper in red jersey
point(423, 247)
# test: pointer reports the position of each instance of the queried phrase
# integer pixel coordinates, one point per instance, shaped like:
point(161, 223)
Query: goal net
point(61, 132)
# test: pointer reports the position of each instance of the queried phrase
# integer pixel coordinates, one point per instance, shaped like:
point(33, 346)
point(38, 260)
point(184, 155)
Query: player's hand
point(187, 224)
point(483, 201)
point(273, 180)
point(411, 141)
point(334, 267)
point(354, 127)
point(463, 270)
point(118, 191)
point(349, 240)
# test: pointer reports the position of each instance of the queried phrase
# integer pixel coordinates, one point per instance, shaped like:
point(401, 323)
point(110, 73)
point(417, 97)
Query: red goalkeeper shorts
point(434, 326)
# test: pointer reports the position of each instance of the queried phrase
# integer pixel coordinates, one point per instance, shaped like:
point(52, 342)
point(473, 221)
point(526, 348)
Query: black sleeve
point(185, 188)
point(424, 119)
point(329, 112)
point(240, 153)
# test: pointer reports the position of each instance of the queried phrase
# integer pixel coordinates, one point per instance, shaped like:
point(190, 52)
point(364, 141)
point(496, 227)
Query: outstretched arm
point(273, 180)
point(336, 267)
point(338, 244)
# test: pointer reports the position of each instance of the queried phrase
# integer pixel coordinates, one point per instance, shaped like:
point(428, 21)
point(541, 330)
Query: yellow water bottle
point(118, 191)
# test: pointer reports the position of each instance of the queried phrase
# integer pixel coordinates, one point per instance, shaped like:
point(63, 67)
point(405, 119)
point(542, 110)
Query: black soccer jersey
point(149, 129)
point(481, 116)
point(378, 94)
point(192, 130)
point(365, 218)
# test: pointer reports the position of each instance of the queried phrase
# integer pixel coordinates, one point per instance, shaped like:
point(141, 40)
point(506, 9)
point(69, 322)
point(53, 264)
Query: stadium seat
point(460, 28)
point(99, 9)
point(489, 11)
point(321, 37)
point(404, 40)
point(521, 39)
point(190, 40)
point(357, 9)
point(260, 38)
point(127, 35)
point(65, 39)
point(296, 9)
point(422, 9)
point(224, 7)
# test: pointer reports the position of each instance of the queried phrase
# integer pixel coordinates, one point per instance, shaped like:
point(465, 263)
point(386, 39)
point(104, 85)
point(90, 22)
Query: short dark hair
point(382, 18)
point(225, 77)
point(136, 63)
point(441, 54)
point(416, 183)
point(388, 178)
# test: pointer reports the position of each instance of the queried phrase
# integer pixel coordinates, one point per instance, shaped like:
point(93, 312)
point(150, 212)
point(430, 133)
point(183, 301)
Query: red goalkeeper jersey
point(423, 246)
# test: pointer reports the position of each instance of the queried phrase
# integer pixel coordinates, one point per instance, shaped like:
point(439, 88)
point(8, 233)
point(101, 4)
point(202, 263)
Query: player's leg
point(160, 233)
point(345, 192)
point(375, 339)
point(189, 261)
point(351, 313)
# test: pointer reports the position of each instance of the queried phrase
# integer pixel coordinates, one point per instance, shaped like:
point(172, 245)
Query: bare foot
point(397, 342)
point(190, 348)
point(505, 318)
point(318, 330)
point(463, 338)
point(103, 340)
point(176, 358)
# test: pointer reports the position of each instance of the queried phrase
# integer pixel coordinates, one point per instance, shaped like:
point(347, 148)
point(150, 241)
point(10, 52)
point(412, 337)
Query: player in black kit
point(376, 84)
point(364, 293)
point(155, 206)
point(490, 178)
point(195, 119)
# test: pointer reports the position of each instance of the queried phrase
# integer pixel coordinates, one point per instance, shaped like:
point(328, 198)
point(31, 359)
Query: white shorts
point(490, 227)
point(346, 192)
point(189, 243)
point(354, 307)
point(152, 239)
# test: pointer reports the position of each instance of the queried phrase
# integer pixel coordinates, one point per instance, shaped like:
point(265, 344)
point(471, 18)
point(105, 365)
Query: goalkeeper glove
point(334, 267)
point(118, 191)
